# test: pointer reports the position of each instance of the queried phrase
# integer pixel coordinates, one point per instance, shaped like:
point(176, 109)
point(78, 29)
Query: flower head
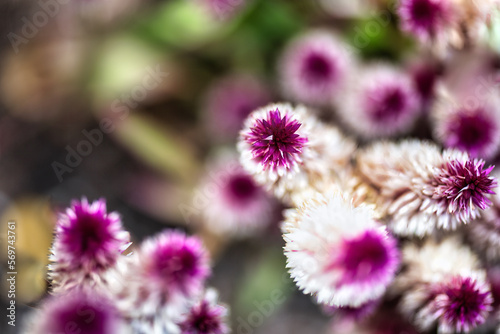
point(274, 141)
point(427, 19)
point(444, 285)
point(463, 186)
point(339, 252)
point(205, 317)
point(421, 188)
point(314, 67)
point(461, 304)
point(381, 102)
point(289, 151)
point(88, 241)
point(174, 263)
point(77, 311)
point(228, 103)
point(238, 205)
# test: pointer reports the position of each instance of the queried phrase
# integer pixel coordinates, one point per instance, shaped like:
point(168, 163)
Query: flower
point(461, 304)
point(77, 311)
point(421, 188)
point(443, 285)
point(471, 127)
point(88, 241)
point(174, 266)
point(427, 19)
point(289, 151)
point(314, 67)
point(228, 103)
point(274, 139)
point(380, 102)
point(205, 317)
point(238, 206)
point(338, 252)
point(224, 9)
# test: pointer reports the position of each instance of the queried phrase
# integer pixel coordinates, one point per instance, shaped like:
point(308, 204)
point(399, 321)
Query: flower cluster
point(158, 288)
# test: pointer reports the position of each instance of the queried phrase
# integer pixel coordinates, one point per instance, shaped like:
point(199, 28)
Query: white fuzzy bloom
point(320, 231)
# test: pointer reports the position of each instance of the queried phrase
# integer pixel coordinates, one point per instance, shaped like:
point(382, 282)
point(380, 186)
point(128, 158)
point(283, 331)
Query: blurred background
point(129, 100)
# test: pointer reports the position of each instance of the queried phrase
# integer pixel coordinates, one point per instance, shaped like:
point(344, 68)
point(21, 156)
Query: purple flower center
point(363, 257)
point(203, 320)
point(471, 132)
point(387, 105)
point(242, 188)
point(175, 264)
point(317, 69)
point(427, 15)
point(425, 79)
point(82, 317)
point(274, 141)
point(464, 186)
point(465, 304)
point(88, 234)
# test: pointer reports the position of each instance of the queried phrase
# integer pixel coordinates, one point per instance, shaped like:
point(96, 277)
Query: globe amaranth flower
point(381, 101)
point(421, 188)
point(288, 150)
point(205, 316)
point(228, 103)
point(443, 286)
point(237, 206)
point(474, 129)
point(313, 67)
point(174, 266)
point(77, 312)
point(338, 252)
point(88, 241)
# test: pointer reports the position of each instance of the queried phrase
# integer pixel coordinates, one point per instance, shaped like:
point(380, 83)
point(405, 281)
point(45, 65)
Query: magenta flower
point(313, 68)
point(275, 141)
point(88, 241)
point(229, 102)
point(461, 304)
point(238, 206)
point(463, 187)
point(368, 258)
point(426, 19)
point(205, 317)
point(381, 102)
point(173, 263)
point(77, 312)
point(476, 131)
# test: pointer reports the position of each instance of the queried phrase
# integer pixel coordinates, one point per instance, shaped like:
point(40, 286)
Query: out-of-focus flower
point(174, 266)
point(237, 206)
point(88, 242)
point(425, 75)
point(205, 316)
point(421, 188)
point(77, 312)
point(288, 150)
point(443, 285)
point(468, 122)
point(380, 101)
point(443, 23)
point(229, 101)
point(314, 67)
point(338, 252)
